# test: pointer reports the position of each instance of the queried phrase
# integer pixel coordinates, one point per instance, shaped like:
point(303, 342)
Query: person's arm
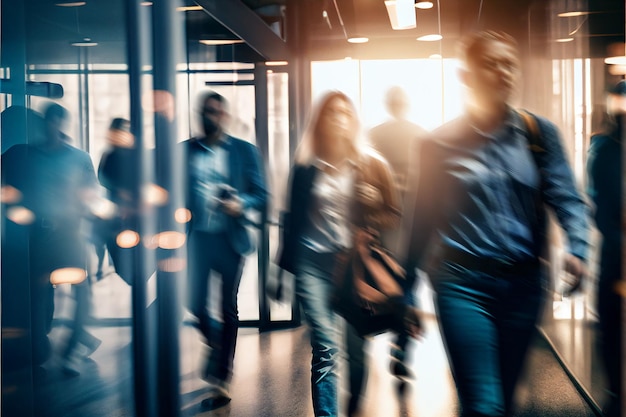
point(560, 193)
point(380, 195)
point(254, 195)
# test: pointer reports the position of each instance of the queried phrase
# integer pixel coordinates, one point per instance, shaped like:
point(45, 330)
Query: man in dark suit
point(225, 179)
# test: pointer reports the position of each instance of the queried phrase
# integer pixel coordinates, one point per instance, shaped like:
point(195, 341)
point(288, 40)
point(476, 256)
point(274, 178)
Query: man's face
point(493, 73)
point(213, 116)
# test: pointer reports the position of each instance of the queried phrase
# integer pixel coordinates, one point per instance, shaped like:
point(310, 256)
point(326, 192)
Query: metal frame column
point(144, 325)
point(171, 259)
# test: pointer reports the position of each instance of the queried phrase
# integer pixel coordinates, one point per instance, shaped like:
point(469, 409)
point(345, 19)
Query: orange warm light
point(182, 215)
point(20, 215)
point(127, 239)
point(170, 240)
point(10, 195)
point(68, 276)
point(155, 195)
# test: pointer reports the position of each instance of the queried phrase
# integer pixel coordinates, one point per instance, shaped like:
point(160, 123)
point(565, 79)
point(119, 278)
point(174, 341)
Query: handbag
point(363, 277)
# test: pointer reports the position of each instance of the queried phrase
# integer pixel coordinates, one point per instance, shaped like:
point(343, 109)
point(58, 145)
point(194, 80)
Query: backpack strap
point(534, 137)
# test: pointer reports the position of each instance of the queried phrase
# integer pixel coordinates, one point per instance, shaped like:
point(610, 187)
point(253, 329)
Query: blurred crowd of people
point(465, 205)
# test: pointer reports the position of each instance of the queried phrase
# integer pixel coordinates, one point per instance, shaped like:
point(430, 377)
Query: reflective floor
point(272, 380)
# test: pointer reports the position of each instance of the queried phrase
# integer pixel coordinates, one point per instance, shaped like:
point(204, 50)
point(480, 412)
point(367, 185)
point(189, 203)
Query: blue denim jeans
point(487, 323)
point(314, 288)
point(210, 252)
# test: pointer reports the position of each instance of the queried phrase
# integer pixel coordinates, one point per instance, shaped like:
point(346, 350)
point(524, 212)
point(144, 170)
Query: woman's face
point(337, 120)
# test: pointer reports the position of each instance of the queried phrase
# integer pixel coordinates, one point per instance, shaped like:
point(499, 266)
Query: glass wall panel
point(278, 176)
point(576, 105)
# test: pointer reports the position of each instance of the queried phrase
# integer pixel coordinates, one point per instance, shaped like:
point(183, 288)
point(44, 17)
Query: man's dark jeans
point(211, 252)
point(487, 322)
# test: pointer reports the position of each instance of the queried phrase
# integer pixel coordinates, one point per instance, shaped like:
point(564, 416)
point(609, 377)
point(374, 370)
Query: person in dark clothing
point(225, 179)
point(55, 181)
point(397, 140)
point(116, 173)
point(605, 182)
point(480, 226)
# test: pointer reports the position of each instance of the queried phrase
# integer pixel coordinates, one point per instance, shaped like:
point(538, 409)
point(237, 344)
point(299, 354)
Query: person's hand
point(575, 271)
point(233, 206)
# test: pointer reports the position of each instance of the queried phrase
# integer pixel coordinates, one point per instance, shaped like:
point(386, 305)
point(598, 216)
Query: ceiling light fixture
point(85, 42)
point(573, 14)
point(146, 3)
point(276, 63)
point(615, 60)
point(424, 5)
point(214, 42)
point(358, 39)
point(401, 14)
point(564, 40)
point(430, 38)
point(71, 3)
point(189, 8)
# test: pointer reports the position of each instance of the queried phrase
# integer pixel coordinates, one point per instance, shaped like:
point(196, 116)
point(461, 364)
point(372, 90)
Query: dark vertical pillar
point(13, 51)
point(167, 43)
point(143, 336)
point(299, 85)
point(262, 141)
point(18, 367)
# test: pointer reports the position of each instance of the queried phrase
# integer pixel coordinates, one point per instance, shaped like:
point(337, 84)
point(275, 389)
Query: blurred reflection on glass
point(56, 182)
point(604, 170)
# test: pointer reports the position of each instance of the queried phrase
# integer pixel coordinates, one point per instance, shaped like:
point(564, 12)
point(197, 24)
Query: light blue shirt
point(209, 171)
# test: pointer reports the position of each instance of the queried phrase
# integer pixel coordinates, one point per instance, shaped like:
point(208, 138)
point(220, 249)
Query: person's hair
point(307, 149)
point(120, 124)
point(211, 95)
point(475, 44)
point(55, 110)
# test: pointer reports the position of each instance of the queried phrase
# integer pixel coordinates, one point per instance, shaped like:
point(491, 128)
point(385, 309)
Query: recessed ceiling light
point(615, 60)
point(358, 39)
point(71, 3)
point(424, 5)
point(563, 40)
point(573, 14)
point(189, 8)
point(85, 42)
point(220, 41)
point(401, 14)
point(275, 63)
point(430, 38)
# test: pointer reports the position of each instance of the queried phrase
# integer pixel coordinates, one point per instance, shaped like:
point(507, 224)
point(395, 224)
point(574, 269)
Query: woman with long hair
point(328, 209)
